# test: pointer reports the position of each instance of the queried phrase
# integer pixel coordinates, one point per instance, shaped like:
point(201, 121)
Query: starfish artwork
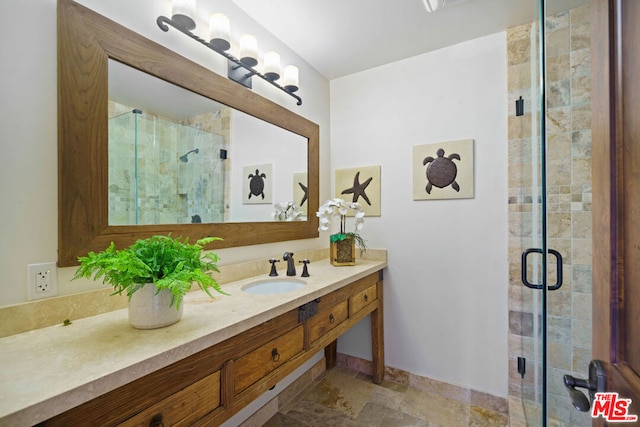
point(358, 189)
point(306, 193)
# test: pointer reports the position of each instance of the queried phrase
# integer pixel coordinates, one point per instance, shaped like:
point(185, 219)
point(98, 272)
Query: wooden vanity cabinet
point(183, 408)
point(209, 387)
point(256, 365)
point(332, 311)
point(180, 393)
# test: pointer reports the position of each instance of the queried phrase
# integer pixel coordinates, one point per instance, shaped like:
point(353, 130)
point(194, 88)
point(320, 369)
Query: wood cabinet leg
point(377, 339)
point(331, 355)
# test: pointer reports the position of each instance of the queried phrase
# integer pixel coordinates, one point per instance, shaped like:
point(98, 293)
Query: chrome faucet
point(291, 266)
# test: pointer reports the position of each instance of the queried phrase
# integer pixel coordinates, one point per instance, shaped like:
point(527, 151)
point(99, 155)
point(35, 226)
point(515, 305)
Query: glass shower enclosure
point(549, 213)
point(163, 172)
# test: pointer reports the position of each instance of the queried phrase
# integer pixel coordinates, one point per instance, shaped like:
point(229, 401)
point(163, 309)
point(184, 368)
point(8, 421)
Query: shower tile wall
point(212, 177)
point(569, 209)
point(169, 191)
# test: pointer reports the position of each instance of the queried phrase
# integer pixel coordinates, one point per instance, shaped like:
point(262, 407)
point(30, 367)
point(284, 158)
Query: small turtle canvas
point(257, 186)
point(360, 185)
point(443, 170)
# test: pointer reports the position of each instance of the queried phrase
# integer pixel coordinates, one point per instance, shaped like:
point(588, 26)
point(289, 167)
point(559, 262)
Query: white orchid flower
point(285, 211)
point(340, 208)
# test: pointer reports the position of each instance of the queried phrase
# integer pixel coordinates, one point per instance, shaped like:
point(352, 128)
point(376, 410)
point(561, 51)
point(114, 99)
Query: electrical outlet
point(42, 280)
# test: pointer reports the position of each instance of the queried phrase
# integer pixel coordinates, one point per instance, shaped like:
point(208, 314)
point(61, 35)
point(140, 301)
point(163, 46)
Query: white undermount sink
point(273, 286)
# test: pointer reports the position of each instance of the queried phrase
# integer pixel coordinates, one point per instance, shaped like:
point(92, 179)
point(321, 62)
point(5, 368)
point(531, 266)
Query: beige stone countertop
point(47, 371)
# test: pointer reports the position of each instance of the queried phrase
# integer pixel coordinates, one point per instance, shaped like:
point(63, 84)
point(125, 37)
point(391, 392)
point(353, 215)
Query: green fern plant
point(169, 263)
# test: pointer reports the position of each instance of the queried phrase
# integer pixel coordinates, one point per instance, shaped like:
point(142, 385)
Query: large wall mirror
point(152, 143)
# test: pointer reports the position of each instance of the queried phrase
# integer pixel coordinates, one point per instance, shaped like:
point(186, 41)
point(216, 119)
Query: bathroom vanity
point(221, 356)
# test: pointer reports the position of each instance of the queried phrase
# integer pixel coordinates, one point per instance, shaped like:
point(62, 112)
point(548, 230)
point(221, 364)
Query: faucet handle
point(273, 266)
point(305, 270)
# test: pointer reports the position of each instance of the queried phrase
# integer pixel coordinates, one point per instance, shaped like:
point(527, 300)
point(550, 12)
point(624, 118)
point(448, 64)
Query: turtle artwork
point(256, 184)
point(441, 171)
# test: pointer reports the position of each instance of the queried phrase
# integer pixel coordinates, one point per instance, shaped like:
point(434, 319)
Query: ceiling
point(342, 37)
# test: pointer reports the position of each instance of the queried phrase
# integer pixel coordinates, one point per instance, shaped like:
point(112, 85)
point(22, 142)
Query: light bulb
point(219, 30)
point(290, 78)
point(249, 50)
point(272, 65)
point(184, 13)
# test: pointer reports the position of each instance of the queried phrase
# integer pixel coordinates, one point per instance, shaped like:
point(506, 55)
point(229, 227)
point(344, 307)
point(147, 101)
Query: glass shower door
point(549, 214)
point(164, 172)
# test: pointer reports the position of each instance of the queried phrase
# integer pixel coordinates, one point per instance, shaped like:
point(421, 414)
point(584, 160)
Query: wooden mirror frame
point(86, 40)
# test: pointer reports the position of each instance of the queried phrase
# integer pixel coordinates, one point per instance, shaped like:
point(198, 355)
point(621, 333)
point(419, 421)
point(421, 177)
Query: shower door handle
point(523, 272)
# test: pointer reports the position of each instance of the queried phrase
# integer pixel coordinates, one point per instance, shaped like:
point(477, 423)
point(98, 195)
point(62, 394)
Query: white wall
point(256, 142)
point(446, 284)
point(28, 127)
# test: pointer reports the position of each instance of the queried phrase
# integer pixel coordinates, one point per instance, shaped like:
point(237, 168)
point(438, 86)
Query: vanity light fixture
point(239, 69)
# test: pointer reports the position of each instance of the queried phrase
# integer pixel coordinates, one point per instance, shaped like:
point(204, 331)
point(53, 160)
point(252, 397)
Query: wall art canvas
point(360, 185)
point(258, 184)
point(300, 195)
point(443, 170)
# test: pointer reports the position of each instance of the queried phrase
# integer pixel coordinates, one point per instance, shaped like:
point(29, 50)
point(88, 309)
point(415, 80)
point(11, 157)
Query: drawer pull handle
point(366, 298)
point(156, 421)
point(275, 356)
point(332, 319)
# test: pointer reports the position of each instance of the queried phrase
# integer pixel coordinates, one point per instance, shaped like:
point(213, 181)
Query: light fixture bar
point(164, 23)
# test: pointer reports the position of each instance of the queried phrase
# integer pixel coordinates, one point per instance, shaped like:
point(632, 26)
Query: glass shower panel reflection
point(162, 172)
point(123, 207)
point(549, 207)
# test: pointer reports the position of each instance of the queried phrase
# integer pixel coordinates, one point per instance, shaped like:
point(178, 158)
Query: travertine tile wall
point(569, 209)
point(169, 191)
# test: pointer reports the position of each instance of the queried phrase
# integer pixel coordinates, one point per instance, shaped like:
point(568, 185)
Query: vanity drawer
point(327, 318)
point(263, 360)
point(364, 298)
point(184, 407)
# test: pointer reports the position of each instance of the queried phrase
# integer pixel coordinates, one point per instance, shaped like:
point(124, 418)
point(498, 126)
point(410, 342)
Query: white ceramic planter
point(148, 310)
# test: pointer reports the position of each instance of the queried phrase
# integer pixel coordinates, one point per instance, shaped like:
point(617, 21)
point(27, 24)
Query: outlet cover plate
point(42, 281)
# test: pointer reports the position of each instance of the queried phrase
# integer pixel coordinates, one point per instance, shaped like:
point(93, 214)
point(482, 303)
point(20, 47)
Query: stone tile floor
point(342, 397)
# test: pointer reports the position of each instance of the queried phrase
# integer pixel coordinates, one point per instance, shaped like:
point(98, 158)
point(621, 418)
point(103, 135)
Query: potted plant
point(342, 244)
point(155, 273)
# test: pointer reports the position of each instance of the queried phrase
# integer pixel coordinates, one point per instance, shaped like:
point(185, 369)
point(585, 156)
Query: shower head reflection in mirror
point(185, 157)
